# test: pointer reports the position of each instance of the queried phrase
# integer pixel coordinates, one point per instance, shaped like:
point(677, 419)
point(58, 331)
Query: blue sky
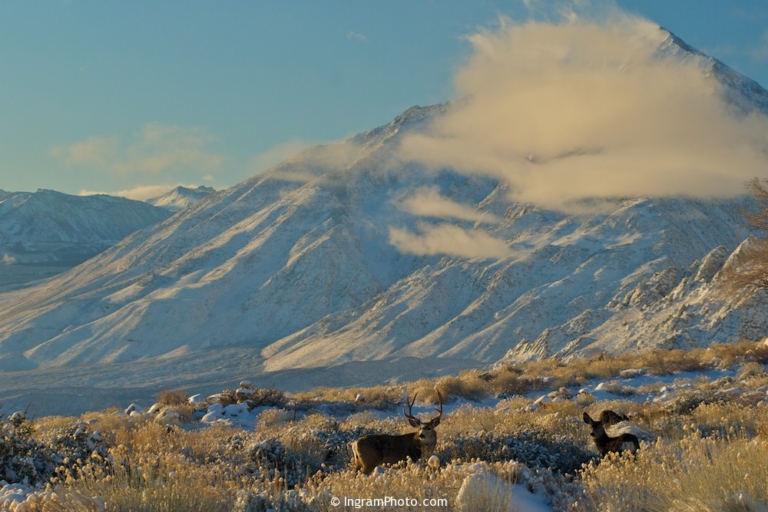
point(119, 96)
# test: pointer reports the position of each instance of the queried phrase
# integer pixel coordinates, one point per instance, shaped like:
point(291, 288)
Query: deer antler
point(436, 419)
point(409, 414)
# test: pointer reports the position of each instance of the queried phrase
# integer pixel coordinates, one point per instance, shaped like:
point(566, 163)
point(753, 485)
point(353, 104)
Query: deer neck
point(601, 437)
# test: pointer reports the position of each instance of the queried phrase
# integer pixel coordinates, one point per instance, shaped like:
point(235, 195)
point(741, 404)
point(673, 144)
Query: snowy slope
point(180, 197)
point(296, 267)
point(47, 232)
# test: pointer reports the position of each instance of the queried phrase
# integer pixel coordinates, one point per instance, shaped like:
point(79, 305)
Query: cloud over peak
point(586, 109)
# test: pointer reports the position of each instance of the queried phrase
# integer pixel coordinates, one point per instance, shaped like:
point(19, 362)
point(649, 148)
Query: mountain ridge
point(180, 197)
point(47, 232)
point(300, 265)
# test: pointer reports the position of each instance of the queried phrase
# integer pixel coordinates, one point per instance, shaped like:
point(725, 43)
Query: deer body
point(605, 443)
point(374, 450)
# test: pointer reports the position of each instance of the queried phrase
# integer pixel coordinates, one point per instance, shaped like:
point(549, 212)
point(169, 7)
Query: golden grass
point(164, 482)
point(696, 473)
point(171, 397)
point(710, 455)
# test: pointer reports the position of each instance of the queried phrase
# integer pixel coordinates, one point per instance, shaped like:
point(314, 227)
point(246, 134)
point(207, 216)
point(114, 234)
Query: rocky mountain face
point(180, 197)
point(47, 232)
point(325, 260)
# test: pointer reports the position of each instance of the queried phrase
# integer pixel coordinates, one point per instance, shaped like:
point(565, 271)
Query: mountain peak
point(180, 197)
point(743, 93)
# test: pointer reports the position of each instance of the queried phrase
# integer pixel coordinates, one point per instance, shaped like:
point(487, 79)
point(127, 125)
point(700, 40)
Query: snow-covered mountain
point(180, 197)
point(47, 232)
point(306, 266)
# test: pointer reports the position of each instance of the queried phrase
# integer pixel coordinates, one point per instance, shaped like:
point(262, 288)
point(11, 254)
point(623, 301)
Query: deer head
point(608, 418)
point(374, 450)
point(426, 433)
point(606, 443)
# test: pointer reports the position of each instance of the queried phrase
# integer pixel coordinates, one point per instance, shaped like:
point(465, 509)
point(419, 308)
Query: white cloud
point(155, 148)
point(140, 192)
point(311, 162)
point(279, 153)
point(355, 36)
point(427, 202)
point(450, 240)
point(584, 109)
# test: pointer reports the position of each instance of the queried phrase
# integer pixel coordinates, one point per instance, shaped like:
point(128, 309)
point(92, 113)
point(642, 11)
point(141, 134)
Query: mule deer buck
point(374, 450)
point(606, 443)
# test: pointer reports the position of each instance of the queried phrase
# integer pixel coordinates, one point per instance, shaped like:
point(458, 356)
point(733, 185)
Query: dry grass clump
point(377, 397)
point(664, 361)
point(725, 417)
point(731, 354)
point(703, 474)
point(168, 397)
point(750, 370)
point(468, 386)
point(163, 482)
point(53, 422)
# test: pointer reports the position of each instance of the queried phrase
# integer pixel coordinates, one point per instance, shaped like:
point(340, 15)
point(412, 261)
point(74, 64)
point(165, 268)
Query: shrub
point(171, 398)
point(697, 473)
point(268, 397)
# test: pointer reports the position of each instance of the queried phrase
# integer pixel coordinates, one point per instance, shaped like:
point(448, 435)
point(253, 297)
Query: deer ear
point(414, 422)
point(587, 419)
point(435, 422)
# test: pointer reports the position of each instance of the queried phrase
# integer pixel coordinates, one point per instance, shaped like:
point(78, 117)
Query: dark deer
point(374, 450)
point(605, 443)
point(608, 418)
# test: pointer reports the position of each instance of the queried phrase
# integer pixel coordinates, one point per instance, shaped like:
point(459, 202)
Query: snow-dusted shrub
point(134, 409)
point(168, 417)
point(483, 491)
point(225, 398)
point(268, 397)
point(271, 418)
point(585, 398)
point(361, 418)
point(22, 458)
point(616, 387)
point(536, 449)
point(301, 449)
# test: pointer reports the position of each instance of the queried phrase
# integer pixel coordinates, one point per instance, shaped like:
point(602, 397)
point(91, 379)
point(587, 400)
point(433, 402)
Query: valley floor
point(510, 439)
point(76, 390)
